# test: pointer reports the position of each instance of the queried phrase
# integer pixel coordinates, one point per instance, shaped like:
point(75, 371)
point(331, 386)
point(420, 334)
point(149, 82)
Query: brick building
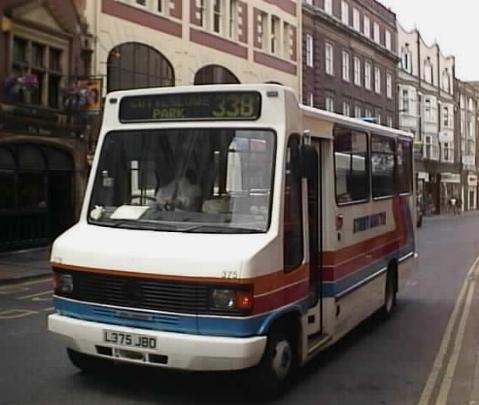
point(350, 58)
point(42, 142)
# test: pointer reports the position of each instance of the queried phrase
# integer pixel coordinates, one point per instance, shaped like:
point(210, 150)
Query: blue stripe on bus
point(179, 323)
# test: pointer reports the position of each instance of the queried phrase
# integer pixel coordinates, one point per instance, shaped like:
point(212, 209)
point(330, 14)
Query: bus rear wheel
point(390, 293)
point(273, 374)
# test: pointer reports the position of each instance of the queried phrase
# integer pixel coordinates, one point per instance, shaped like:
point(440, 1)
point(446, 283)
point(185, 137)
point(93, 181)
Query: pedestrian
point(452, 205)
point(459, 205)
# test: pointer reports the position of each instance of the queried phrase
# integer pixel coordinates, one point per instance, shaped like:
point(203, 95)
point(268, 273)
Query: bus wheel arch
point(273, 373)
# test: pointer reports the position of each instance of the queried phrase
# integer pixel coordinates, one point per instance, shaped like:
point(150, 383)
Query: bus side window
point(351, 165)
point(404, 167)
point(293, 226)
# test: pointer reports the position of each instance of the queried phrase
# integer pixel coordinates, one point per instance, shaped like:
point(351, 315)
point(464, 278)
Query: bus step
point(317, 342)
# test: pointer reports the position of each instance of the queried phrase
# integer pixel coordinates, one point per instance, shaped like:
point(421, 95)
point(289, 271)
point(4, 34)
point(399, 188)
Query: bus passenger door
point(311, 164)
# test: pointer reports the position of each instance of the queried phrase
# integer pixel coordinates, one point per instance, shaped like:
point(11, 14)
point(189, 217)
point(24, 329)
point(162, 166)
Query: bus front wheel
point(82, 361)
point(271, 377)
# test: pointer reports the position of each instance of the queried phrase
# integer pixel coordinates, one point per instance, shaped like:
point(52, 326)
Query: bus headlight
point(231, 299)
point(63, 283)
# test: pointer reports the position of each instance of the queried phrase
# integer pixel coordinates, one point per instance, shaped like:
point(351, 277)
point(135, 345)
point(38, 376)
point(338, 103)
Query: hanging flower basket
point(76, 96)
point(15, 84)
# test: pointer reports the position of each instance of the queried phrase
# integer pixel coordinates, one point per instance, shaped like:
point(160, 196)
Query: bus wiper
point(133, 224)
point(219, 229)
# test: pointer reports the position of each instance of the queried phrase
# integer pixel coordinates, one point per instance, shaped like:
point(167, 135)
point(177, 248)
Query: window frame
point(298, 264)
point(368, 167)
point(394, 175)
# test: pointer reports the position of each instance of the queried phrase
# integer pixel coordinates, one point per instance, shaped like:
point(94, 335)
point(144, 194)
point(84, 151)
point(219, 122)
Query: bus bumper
point(176, 350)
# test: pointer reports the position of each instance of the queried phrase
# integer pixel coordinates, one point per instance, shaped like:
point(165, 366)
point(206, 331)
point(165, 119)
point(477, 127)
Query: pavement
point(24, 265)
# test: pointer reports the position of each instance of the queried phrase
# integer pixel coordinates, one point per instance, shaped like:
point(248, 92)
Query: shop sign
point(472, 180)
point(450, 178)
point(423, 176)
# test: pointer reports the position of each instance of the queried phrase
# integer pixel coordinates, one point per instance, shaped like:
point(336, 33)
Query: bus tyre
point(273, 374)
point(82, 361)
point(390, 294)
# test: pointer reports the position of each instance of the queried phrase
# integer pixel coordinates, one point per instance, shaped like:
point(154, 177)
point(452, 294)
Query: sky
point(454, 25)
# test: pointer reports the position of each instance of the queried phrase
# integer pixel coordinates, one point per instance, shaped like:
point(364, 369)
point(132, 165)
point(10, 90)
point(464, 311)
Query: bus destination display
point(244, 105)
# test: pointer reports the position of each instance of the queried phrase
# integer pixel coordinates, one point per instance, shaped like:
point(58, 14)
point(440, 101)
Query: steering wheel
point(140, 198)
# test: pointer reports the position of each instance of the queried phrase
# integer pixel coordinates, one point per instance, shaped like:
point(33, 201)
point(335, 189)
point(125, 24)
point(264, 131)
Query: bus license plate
point(129, 339)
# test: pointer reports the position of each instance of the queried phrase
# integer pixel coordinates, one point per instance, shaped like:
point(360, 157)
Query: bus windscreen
point(203, 106)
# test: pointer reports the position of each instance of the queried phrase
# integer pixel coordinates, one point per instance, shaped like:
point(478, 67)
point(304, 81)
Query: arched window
point(215, 74)
point(133, 65)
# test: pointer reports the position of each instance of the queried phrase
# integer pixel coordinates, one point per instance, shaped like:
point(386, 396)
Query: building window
point(446, 151)
point(328, 6)
point(346, 108)
point(377, 33)
point(261, 29)
point(217, 12)
point(406, 59)
point(405, 101)
point(428, 71)
point(357, 111)
point(41, 66)
point(368, 113)
point(389, 85)
point(201, 13)
point(445, 80)
point(214, 74)
point(356, 20)
point(329, 59)
point(357, 71)
point(329, 103)
point(134, 65)
point(377, 80)
point(309, 50)
point(429, 110)
point(274, 35)
point(390, 121)
point(445, 116)
point(382, 166)
point(346, 66)
point(387, 38)
point(367, 26)
point(351, 165)
point(233, 19)
point(311, 99)
point(367, 75)
point(345, 12)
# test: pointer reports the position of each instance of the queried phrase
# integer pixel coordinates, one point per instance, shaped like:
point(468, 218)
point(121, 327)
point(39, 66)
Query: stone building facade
point(350, 58)
point(43, 143)
point(467, 97)
point(427, 108)
point(144, 43)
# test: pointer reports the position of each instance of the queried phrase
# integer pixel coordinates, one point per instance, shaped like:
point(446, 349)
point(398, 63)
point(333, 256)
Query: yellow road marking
point(451, 366)
point(16, 313)
point(35, 297)
point(7, 289)
point(441, 354)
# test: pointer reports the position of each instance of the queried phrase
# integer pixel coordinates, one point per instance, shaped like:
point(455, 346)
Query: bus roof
point(315, 113)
